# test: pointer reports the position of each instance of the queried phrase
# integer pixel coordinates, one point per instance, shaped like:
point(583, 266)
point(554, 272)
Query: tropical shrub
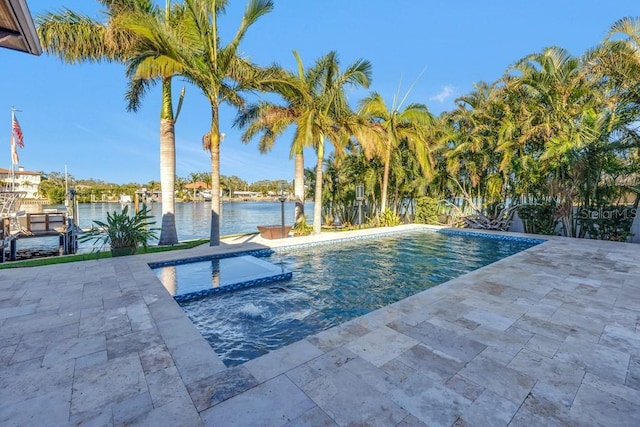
point(301, 228)
point(539, 218)
point(327, 219)
point(427, 210)
point(122, 231)
point(388, 218)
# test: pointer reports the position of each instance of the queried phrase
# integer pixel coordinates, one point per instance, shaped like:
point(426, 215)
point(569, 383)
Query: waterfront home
point(21, 180)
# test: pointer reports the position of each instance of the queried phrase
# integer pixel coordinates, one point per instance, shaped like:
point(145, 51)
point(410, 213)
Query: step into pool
point(192, 281)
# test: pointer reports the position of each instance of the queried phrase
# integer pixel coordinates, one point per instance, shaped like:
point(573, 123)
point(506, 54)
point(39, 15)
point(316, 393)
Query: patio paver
point(549, 336)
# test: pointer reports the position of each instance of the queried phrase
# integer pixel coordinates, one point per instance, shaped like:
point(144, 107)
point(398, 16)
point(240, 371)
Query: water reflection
point(169, 279)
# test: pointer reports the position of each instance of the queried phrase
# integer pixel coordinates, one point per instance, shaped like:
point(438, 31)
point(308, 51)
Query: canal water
point(192, 218)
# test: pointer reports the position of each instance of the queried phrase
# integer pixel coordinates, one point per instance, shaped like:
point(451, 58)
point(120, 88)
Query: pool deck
point(549, 336)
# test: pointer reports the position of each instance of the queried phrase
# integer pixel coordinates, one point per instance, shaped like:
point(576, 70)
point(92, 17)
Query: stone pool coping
point(547, 336)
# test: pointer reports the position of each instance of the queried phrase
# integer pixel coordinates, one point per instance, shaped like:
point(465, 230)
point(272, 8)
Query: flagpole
point(13, 168)
point(17, 140)
point(66, 187)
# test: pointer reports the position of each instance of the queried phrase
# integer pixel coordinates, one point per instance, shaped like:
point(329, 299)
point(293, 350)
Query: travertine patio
point(550, 336)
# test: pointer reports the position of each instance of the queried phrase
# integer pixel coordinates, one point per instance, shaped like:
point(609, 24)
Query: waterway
point(192, 218)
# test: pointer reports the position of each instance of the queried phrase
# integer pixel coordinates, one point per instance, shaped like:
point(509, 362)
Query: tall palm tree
point(393, 125)
point(76, 38)
point(481, 143)
point(330, 117)
point(557, 94)
point(316, 104)
point(194, 51)
point(271, 119)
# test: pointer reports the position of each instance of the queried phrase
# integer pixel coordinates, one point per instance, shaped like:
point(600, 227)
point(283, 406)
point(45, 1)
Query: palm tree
point(76, 38)
point(549, 89)
point(618, 58)
point(271, 120)
point(582, 122)
point(194, 51)
point(330, 117)
point(394, 126)
point(629, 28)
point(316, 104)
point(481, 142)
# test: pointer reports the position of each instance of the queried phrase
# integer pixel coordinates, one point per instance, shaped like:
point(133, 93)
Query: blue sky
point(75, 115)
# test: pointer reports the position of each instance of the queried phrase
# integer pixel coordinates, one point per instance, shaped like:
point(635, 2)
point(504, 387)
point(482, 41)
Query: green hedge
point(539, 218)
point(427, 210)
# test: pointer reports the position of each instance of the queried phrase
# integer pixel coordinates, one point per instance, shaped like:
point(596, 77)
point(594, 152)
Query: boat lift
point(17, 224)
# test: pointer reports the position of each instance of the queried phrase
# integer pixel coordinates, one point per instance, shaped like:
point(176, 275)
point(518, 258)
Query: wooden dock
point(38, 225)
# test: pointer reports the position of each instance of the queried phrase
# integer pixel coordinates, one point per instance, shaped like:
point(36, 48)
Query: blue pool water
point(332, 284)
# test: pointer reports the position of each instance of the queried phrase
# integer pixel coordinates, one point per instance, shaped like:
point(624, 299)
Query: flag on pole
point(14, 152)
point(17, 132)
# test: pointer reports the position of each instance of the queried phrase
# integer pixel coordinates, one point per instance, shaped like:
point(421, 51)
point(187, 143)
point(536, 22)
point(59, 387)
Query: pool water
point(335, 283)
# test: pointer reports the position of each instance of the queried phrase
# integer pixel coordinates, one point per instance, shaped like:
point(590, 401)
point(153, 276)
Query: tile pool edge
point(488, 234)
point(254, 252)
point(412, 228)
point(193, 296)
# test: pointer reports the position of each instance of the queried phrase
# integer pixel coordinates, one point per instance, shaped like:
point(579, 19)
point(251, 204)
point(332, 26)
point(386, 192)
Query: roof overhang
point(17, 30)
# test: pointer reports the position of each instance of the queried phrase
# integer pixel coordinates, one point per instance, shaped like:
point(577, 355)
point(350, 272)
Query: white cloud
point(446, 92)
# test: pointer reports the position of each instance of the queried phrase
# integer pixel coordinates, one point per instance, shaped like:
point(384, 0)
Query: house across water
point(21, 180)
point(246, 194)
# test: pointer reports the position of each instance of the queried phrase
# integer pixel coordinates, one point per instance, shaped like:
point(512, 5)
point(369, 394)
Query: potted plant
point(123, 233)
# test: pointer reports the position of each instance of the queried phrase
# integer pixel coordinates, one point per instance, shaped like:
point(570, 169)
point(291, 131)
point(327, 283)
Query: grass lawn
point(95, 255)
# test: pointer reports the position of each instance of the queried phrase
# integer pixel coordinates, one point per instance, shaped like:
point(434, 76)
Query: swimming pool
point(332, 284)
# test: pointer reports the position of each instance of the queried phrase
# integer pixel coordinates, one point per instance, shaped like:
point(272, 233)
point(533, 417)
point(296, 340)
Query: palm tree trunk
point(168, 232)
point(299, 186)
point(385, 179)
point(215, 179)
point(317, 207)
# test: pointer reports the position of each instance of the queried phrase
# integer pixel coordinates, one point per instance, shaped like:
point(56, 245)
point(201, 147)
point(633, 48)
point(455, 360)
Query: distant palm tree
point(76, 38)
point(310, 179)
point(193, 50)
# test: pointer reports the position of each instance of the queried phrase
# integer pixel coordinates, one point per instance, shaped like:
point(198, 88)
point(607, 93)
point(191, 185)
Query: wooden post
point(74, 240)
point(13, 248)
